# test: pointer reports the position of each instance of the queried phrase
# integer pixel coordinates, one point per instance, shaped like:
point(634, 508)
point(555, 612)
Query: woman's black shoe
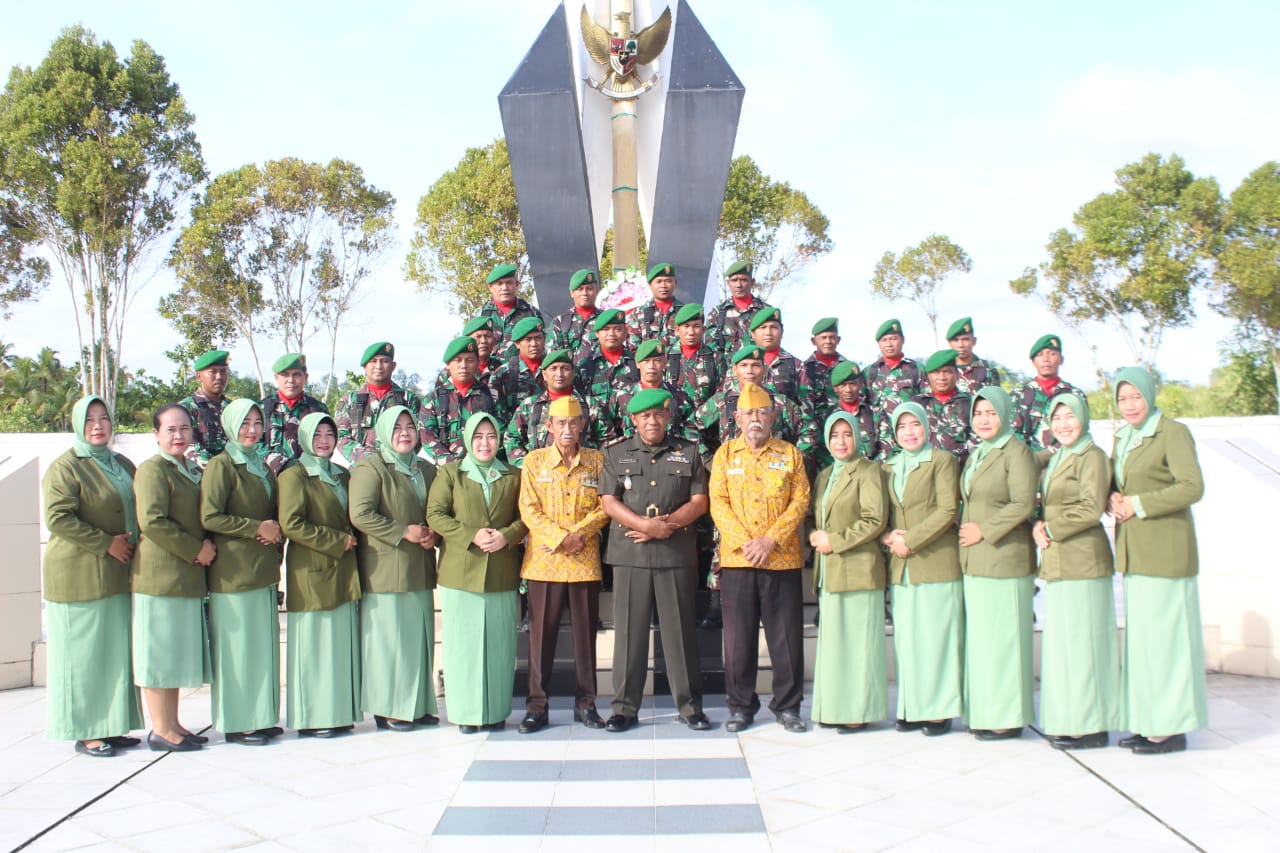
point(936, 728)
point(123, 741)
point(159, 744)
point(468, 729)
point(270, 731)
point(991, 734)
point(428, 720)
point(247, 738)
point(909, 725)
point(1131, 741)
point(394, 725)
point(1177, 743)
point(1096, 740)
point(496, 727)
point(199, 740)
point(102, 750)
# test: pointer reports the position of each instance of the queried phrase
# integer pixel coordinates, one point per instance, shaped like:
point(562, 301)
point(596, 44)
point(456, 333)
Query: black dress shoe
point(428, 720)
point(909, 725)
point(589, 717)
point(123, 741)
point(159, 744)
point(468, 729)
point(1131, 741)
point(200, 740)
point(270, 731)
point(394, 725)
point(846, 729)
point(495, 727)
point(619, 723)
point(317, 732)
point(1089, 741)
point(991, 734)
point(1177, 743)
point(247, 738)
point(936, 728)
point(738, 722)
point(102, 750)
point(697, 721)
point(533, 722)
point(791, 721)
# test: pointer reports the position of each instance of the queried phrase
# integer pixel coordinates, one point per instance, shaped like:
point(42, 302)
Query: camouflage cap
point(687, 312)
point(526, 327)
point(649, 349)
point(845, 371)
point(610, 317)
point(939, 360)
point(888, 327)
point(380, 348)
point(963, 326)
point(582, 277)
point(826, 324)
point(750, 351)
point(649, 398)
point(210, 358)
point(500, 271)
point(1052, 342)
point(475, 324)
point(289, 361)
point(660, 269)
point(765, 315)
point(458, 346)
point(738, 267)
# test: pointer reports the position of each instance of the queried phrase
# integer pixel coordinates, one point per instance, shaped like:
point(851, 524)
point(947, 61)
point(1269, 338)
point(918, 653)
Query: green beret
point(888, 327)
point(288, 361)
point(607, 318)
point(649, 349)
point(475, 324)
point(212, 357)
point(826, 324)
point(844, 371)
point(582, 277)
point(766, 315)
point(963, 326)
point(940, 359)
point(751, 351)
point(527, 326)
point(557, 355)
point(380, 348)
point(649, 398)
point(687, 312)
point(1052, 342)
point(500, 271)
point(457, 347)
point(737, 267)
point(660, 269)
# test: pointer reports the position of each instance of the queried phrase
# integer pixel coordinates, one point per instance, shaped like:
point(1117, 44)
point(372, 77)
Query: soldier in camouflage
point(572, 330)
point(972, 373)
point(651, 360)
point(692, 366)
point(358, 409)
point(506, 309)
point(655, 320)
point(783, 369)
point(846, 385)
point(528, 427)
point(479, 329)
point(815, 372)
point(286, 409)
point(727, 323)
point(1031, 403)
point(518, 377)
point(715, 420)
point(947, 408)
point(205, 407)
point(893, 378)
point(444, 413)
point(606, 367)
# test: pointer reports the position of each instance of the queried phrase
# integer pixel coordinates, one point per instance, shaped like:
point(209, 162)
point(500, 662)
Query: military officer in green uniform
point(606, 367)
point(972, 373)
point(528, 427)
point(286, 409)
point(479, 329)
point(205, 407)
point(572, 330)
point(655, 320)
point(651, 360)
point(518, 377)
point(893, 378)
point(815, 372)
point(715, 417)
point(505, 308)
point(846, 385)
point(444, 413)
point(359, 408)
point(1031, 403)
point(692, 366)
point(727, 323)
point(782, 369)
point(947, 408)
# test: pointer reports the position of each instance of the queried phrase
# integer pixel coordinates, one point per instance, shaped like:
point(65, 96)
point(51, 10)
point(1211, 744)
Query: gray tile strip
point(612, 820)
point(603, 771)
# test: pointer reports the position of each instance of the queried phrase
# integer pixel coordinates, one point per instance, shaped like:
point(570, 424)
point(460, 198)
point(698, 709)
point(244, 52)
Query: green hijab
point(405, 463)
point(1129, 436)
point(233, 416)
point(106, 460)
point(904, 461)
point(1080, 409)
point(484, 473)
point(319, 466)
point(1000, 400)
point(837, 465)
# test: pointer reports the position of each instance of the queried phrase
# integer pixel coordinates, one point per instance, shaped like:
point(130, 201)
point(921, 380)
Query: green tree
point(917, 274)
point(96, 157)
point(1247, 276)
point(1134, 256)
point(39, 391)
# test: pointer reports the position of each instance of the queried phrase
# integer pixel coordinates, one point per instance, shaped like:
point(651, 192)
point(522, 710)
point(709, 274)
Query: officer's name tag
point(628, 461)
point(676, 457)
point(733, 471)
point(779, 466)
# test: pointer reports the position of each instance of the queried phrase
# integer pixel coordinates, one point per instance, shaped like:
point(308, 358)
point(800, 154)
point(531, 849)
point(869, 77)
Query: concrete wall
point(20, 602)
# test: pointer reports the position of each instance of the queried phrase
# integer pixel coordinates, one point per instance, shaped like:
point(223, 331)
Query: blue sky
point(988, 122)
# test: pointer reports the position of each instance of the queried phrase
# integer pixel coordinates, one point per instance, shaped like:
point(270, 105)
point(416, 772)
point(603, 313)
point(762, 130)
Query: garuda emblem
point(621, 52)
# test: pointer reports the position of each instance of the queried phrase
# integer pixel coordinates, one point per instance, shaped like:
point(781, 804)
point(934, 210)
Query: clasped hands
point(896, 542)
point(657, 527)
point(1121, 507)
point(489, 540)
point(422, 535)
point(571, 544)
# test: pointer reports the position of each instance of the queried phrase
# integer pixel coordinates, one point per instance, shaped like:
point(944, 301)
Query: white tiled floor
point(821, 791)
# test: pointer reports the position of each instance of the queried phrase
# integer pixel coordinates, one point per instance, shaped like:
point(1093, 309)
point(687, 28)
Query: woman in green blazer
point(397, 560)
point(1157, 479)
point(238, 505)
point(850, 681)
point(93, 531)
point(924, 571)
point(1079, 652)
point(997, 556)
point(323, 586)
point(475, 507)
point(170, 647)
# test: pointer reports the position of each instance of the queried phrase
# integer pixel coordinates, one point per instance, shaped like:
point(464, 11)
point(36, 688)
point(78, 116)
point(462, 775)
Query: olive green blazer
point(381, 504)
point(84, 512)
point(233, 502)
point(169, 518)
point(857, 510)
point(1002, 502)
point(927, 512)
point(1074, 499)
point(456, 510)
point(319, 573)
point(1163, 473)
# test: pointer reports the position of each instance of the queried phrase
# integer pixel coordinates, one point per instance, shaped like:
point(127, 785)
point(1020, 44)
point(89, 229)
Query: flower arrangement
point(626, 290)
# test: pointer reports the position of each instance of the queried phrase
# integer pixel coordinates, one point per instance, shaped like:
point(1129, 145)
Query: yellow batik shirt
point(759, 493)
point(557, 499)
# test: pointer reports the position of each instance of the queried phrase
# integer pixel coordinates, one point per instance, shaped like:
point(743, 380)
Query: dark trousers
point(634, 592)
point(547, 600)
point(749, 597)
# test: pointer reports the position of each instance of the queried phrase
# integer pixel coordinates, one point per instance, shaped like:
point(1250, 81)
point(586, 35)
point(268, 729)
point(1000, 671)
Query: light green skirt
point(1079, 658)
point(170, 641)
point(850, 678)
point(998, 665)
point(479, 649)
point(1163, 656)
point(928, 650)
point(91, 692)
point(324, 667)
point(244, 647)
point(397, 640)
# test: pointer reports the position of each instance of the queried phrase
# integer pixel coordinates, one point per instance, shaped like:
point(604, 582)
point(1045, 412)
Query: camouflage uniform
point(886, 387)
point(871, 436)
point(484, 373)
point(356, 414)
point(595, 376)
point(683, 425)
point(784, 377)
point(570, 331)
point(1031, 420)
point(649, 322)
point(528, 427)
point(442, 416)
point(716, 423)
point(727, 330)
point(282, 445)
point(972, 377)
point(815, 387)
point(512, 382)
point(504, 347)
point(206, 418)
point(948, 424)
point(698, 375)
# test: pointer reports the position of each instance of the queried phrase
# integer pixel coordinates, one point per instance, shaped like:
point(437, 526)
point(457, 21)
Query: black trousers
point(634, 592)
point(749, 598)
point(547, 600)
